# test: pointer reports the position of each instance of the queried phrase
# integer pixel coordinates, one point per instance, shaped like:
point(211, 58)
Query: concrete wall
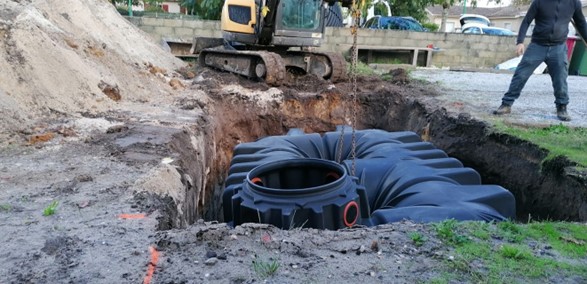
point(181, 30)
point(456, 50)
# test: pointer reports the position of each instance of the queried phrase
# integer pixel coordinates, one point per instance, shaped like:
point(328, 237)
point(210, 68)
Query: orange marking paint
point(132, 216)
point(152, 265)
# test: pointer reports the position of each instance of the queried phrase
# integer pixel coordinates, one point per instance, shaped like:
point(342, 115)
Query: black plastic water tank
point(293, 181)
point(299, 193)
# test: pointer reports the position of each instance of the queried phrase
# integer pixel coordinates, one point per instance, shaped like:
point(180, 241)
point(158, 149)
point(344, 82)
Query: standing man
point(552, 18)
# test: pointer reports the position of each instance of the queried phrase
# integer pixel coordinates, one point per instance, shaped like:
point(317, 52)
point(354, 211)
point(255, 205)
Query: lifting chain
point(356, 14)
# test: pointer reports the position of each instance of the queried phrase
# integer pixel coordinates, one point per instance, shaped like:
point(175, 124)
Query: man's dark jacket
point(552, 18)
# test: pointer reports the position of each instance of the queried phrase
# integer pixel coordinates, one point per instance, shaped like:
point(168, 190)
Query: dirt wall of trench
point(549, 189)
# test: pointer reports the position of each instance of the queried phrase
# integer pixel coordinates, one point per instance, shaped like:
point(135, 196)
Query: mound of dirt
point(399, 76)
point(65, 57)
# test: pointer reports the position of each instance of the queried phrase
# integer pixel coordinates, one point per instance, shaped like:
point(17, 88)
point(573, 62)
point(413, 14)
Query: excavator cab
point(300, 23)
point(286, 23)
point(300, 15)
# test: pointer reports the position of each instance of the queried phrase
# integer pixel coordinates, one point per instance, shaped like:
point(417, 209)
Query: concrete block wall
point(181, 30)
point(456, 50)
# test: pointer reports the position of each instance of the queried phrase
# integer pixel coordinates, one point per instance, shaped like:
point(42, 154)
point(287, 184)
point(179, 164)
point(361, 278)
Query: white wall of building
point(172, 7)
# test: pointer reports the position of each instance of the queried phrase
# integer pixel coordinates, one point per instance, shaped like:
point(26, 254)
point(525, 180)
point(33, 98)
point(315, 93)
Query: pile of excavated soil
point(68, 57)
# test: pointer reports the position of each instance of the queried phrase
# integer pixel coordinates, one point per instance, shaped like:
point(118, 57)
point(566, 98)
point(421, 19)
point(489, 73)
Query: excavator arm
point(267, 14)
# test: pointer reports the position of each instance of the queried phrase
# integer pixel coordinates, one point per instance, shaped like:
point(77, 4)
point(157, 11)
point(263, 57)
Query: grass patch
point(265, 269)
point(363, 69)
point(510, 232)
point(448, 231)
point(444, 278)
point(508, 252)
point(569, 239)
point(417, 238)
point(514, 252)
point(559, 140)
point(51, 208)
point(5, 207)
point(479, 230)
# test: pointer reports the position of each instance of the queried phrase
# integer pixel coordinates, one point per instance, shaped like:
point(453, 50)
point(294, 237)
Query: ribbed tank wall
point(397, 177)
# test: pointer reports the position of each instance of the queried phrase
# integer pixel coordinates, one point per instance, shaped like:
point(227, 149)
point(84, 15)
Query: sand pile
point(64, 57)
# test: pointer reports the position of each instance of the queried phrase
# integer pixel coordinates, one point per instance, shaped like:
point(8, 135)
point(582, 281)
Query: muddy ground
point(132, 146)
point(165, 169)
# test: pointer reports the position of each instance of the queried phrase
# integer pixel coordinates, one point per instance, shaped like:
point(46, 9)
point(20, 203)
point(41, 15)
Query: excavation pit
point(544, 189)
point(157, 159)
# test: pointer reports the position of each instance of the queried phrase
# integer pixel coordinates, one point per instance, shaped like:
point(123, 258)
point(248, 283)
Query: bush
point(154, 9)
point(431, 26)
point(122, 10)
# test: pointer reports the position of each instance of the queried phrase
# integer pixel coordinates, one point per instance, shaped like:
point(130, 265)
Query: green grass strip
point(507, 252)
point(559, 140)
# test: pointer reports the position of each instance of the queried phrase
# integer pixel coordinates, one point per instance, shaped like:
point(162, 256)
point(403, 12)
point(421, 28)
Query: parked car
point(393, 23)
point(474, 19)
point(473, 28)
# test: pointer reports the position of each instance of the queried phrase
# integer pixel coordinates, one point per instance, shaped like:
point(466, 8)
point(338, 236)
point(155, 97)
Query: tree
point(153, 2)
point(446, 4)
point(190, 5)
point(134, 2)
point(206, 9)
point(137, 2)
point(415, 8)
point(211, 8)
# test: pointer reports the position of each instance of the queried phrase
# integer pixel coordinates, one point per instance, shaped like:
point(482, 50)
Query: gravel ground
point(479, 93)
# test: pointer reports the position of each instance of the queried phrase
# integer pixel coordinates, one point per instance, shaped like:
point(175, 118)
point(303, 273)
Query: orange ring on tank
point(345, 212)
point(333, 175)
point(257, 181)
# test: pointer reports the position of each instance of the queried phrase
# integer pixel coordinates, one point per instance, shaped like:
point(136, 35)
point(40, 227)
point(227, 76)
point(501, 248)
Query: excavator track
point(339, 67)
point(260, 65)
point(327, 65)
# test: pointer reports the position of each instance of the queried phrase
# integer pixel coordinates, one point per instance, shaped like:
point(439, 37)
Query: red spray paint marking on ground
point(132, 216)
point(152, 265)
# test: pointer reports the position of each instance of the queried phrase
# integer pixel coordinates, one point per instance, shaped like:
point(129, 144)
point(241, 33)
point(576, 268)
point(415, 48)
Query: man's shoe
point(503, 109)
point(561, 113)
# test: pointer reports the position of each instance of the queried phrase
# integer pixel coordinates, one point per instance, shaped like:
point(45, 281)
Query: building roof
point(509, 11)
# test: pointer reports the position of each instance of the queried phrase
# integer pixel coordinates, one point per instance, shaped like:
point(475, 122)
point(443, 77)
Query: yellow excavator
point(265, 39)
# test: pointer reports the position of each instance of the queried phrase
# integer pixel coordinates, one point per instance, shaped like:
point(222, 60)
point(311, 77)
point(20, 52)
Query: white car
point(473, 19)
point(474, 28)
